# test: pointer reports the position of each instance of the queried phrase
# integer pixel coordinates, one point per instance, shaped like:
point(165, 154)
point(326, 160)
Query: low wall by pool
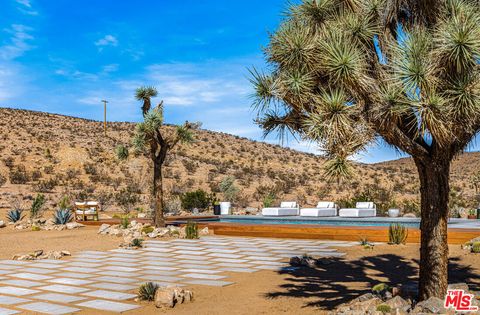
point(334, 228)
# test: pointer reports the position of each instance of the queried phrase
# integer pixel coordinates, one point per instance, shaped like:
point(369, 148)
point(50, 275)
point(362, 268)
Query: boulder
point(164, 297)
point(398, 303)
point(204, 231)
point(2, 224)
point(104, 229)
point(168, 297)
point(409, 215)
point(432, 305)
point(74, 225)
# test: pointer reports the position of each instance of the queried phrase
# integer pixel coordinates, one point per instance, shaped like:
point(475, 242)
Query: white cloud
point(189, 84)
point(26, 7)
point(107, 40)
point(110, 68)
point(19, 42)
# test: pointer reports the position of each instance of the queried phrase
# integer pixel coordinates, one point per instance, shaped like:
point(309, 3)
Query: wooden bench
point(84, 210)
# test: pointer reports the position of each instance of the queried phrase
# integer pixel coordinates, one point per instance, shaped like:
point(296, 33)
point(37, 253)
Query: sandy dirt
point(305, 291)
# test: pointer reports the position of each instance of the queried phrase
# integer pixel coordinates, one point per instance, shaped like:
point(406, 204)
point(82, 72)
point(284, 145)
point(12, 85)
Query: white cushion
point(86, 211)
point(354, 212)
point(364, 205)
point(316, 212)
point(80, 203)
point(326, 204)
point(279, 211)
point(288, 204)
point(92, 203)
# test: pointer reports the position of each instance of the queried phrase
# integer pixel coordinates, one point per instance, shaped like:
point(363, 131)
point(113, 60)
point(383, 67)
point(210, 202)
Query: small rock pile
point(168, 297)
point(468, 245)
point(39, 254)
point(45, 224)
point(138, 230)
point(389, 301)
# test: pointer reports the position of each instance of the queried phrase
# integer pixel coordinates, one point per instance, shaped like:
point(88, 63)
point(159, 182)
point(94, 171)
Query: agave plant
point(15, 215)
point(137, 242)
point(147, 291)
point(62, 216)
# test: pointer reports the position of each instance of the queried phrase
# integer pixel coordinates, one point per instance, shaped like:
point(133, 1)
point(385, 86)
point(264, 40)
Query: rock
point(65, 253)
point(409, 215)
point(115, 232)
point(398, 303)
point(432, 305)
point(103, 229)
point(204, 231)
point(163, 231)
point(458, 286)
point(141, 215)
point(171, 296)
point(2, 224)
point(133, 223)
point(74, 225)
point(164, 297)
point(303, 261)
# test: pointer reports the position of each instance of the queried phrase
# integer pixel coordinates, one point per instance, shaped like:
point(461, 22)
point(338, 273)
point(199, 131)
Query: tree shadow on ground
point(339, 280)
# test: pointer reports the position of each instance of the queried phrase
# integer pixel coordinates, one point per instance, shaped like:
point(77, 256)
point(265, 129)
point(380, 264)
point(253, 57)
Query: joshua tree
point(347, 72)
point(150, 135)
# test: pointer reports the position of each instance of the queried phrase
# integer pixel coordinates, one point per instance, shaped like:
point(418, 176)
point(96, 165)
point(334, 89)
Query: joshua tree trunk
point(158, 204)
point(434, 180)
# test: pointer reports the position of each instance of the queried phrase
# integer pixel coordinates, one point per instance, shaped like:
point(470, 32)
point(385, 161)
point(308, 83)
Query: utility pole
point(105, 116)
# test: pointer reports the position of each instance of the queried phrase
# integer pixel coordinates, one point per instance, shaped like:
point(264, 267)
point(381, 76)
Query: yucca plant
point(146, 291)
point(62, 216)
point(15, 215)
point(37, 206)
point(348, 73)
point(397, 234)
point(475, 247)
point(191, 230)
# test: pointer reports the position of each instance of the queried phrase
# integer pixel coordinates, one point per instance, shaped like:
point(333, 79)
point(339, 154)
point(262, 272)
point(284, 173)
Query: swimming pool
point(334, 221)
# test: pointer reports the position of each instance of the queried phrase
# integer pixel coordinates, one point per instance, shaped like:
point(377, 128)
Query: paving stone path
point(108, 280)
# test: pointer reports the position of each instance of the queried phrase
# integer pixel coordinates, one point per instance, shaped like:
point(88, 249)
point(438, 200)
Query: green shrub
point(397, 234)
point(380, 288)
point(137, 242)
point(146, 292)
point(268, 200)
point(126, 198)
point(124, 222)
point(191, 230)
point(37, 206)
point(64, 203)
point(121, 152)
point(195, 199)
point(229, 189)
point(476, 247)
point(147, 229)
point(384, 308)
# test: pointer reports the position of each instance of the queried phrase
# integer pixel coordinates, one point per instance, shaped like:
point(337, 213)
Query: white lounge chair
point(286, 209)
point(362, 209)
point(323, 209)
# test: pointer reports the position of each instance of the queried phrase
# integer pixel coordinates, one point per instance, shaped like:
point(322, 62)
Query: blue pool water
point(333, 222)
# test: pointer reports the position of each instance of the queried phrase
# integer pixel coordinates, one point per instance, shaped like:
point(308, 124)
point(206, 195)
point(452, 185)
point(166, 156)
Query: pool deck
point(459, 230)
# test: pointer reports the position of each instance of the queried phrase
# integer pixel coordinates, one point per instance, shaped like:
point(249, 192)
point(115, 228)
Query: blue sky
point(64, 56)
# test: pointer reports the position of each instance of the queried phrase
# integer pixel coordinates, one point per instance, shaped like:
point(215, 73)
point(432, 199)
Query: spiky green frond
point(185, 134)
point(264, 86)
point(338, 168)
point(458, 38)
point(342, 61)
point(293, 46)
point(412, 65)
point(145, 92)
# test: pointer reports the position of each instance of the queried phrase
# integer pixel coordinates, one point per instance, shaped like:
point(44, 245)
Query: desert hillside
point(66, 156)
